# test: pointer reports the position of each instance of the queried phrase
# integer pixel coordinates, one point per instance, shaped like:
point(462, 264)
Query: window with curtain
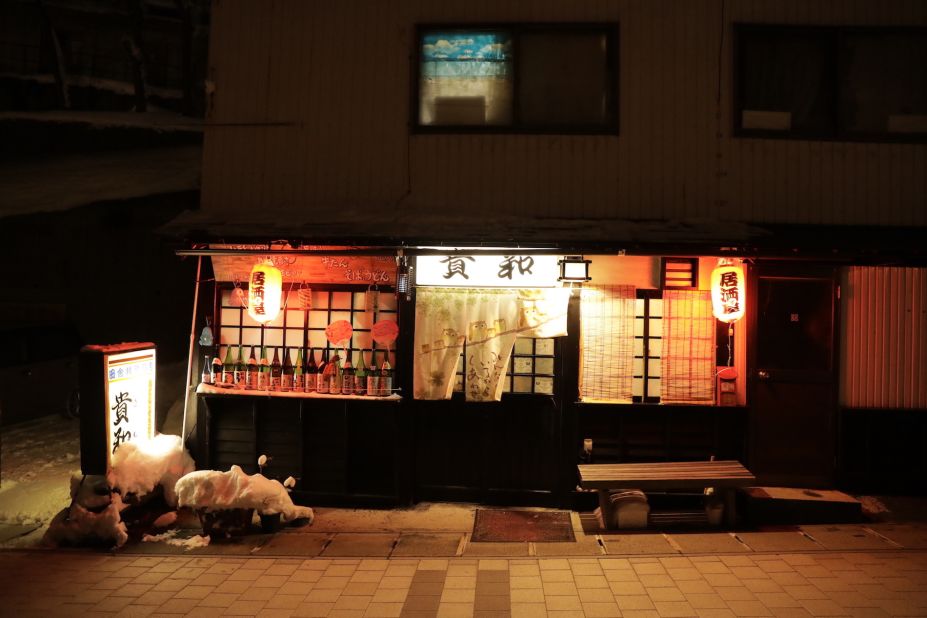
point(688, 359)
point(532, 78)
point(607, 343)
point(831, 82)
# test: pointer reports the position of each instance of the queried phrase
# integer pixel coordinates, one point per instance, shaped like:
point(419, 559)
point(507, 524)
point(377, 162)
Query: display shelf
point(209, 389)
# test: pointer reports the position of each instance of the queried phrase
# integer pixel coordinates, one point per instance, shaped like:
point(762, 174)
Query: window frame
point(610, 29)
point(832, 37)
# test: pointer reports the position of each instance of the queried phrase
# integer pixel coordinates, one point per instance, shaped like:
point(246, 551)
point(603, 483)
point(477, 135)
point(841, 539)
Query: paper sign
point(385, 331)
point(339, 331)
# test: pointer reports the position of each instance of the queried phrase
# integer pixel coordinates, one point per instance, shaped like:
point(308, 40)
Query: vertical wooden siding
point(311, 111)
point(884, 338)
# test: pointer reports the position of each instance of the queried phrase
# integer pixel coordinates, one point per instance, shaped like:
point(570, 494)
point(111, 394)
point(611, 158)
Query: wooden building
point(647, 137)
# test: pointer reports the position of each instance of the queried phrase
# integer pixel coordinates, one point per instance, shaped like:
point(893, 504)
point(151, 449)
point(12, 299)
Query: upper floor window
point(831, 82)
point(542, 79)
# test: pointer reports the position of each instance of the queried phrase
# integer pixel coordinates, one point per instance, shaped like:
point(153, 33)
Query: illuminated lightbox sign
point(488, 271)
point(130, 383)
point(118, 400)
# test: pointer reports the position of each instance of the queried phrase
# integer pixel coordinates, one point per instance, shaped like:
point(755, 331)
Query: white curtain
point(607, 343)
point(487, 320)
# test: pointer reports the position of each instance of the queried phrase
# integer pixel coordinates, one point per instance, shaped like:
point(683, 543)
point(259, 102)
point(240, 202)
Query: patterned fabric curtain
point(607, 343)
point(688, 361)
point(487, 320)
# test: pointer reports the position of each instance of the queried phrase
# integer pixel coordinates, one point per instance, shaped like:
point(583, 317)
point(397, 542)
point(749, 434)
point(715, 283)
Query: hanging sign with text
point(487, 271)
point(315, 268)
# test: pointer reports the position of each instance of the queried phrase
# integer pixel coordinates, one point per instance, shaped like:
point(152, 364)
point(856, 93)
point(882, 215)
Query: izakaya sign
point(487, 271)
point(117, 384)
point(130, 396)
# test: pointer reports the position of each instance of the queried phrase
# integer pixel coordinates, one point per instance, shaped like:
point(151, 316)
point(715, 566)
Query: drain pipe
point(187, 385)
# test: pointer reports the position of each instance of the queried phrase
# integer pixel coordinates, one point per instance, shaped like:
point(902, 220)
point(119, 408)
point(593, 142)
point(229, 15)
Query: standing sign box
point(117, 385)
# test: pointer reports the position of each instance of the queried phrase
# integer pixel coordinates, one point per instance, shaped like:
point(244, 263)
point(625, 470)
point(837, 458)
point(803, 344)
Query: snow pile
point(92, 517)
point(213, 490)
point(139, 466)
point(170, 537)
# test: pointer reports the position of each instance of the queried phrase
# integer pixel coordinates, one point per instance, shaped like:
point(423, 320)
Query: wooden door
point(792, 374)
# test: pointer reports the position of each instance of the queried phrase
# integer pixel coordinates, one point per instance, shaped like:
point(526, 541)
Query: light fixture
point(403, 276)
point(574, 268)
point(728, 290)
point(264, 288)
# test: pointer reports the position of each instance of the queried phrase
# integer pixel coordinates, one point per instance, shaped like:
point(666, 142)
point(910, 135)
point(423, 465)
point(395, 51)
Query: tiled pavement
point(823, 583)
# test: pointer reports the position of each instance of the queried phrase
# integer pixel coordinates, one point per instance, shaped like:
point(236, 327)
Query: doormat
point(500, 526)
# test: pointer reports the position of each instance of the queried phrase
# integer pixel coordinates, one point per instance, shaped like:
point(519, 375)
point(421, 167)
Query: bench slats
point(666, 475)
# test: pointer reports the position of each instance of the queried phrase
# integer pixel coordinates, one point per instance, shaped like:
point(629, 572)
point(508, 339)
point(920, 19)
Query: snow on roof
point(52, 184)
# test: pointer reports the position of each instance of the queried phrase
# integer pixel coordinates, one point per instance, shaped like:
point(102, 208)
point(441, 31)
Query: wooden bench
point(724, 476)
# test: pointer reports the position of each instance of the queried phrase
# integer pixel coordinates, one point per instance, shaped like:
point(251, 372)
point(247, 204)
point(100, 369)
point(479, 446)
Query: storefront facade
point(434, 139)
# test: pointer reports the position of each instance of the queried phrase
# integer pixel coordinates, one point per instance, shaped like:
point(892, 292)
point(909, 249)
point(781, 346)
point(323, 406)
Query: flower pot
point(271, 522)
point(225, 522)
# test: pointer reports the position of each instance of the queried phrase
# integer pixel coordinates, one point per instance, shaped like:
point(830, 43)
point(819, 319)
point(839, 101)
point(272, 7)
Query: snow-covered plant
point(262, 461)
point(289, 483)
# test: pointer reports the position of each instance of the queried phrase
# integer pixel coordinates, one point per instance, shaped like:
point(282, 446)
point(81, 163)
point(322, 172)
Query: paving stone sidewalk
point(793, 584)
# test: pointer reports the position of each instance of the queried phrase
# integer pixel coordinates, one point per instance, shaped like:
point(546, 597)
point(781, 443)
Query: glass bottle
point(386, 376)
point(263, 371)
point(286, 374)
point(311, 373)
point(216, 369)
point(298, 371)
point(347, 376)
point(251, 382)
point(321, 383)
point(334, 372)
point(360, 376)
point(228, 368)
point(276, 371)
point(240, 375)
point(207, 373)
point(373, 376)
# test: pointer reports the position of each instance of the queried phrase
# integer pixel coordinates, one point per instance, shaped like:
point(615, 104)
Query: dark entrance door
point(792, 388)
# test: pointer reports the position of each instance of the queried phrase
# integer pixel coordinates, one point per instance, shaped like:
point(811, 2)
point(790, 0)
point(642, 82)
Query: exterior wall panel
point(311, 111)
point(884, 338)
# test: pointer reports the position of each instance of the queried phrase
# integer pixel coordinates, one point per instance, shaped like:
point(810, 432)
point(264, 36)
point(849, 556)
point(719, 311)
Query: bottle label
point(207, 377)
point(239, 379)
point(311, 382)
point(360, 385)
point(321, 383)
point(286, 382)
point(274, 383)
point(386, 386)
point(297, 382)
point(252, 378)
point(334, 386)
point(347, 385)
point(228, 377)
point(373, 386)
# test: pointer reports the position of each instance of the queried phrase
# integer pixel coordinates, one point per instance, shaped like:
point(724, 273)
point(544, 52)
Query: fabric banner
point(607, 343)
point(486, 321)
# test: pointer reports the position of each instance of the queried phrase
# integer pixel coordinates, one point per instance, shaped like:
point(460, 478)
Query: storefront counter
point(341, 449)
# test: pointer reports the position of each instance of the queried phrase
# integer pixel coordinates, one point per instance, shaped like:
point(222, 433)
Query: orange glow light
point(728, 291)
point(264, 288)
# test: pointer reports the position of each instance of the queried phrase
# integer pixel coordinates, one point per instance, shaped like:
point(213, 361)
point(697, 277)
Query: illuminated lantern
point(728, 290)
point(264, 289)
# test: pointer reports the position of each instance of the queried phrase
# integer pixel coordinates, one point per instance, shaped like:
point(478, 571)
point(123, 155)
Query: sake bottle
point(264, 371)
point(311, 373)
point(298, 371)
point(240, 375)
point(276, 371)
point(386, 376)
point(216, 369)
point(347, 376)
point(360, 376)
point(286, 375)
point(251, 382)
point(334, 372)
point(373, 376)
point(207, 373)
point(321, 383)
point(228, 368)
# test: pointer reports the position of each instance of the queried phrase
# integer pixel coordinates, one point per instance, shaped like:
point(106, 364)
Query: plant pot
point(225, 522)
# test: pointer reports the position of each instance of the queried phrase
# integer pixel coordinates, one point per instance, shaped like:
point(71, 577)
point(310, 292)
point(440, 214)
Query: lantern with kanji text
point(728, 290)
point(264, 288)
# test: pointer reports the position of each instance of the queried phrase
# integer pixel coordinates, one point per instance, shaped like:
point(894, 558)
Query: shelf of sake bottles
point(211, 389)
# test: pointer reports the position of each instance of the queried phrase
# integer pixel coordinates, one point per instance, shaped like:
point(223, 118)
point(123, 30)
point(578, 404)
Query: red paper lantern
point(728, 291)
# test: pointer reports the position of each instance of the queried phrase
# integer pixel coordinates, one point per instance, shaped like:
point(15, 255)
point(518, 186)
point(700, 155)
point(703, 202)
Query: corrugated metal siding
point(884, 338)
point(311, 110)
